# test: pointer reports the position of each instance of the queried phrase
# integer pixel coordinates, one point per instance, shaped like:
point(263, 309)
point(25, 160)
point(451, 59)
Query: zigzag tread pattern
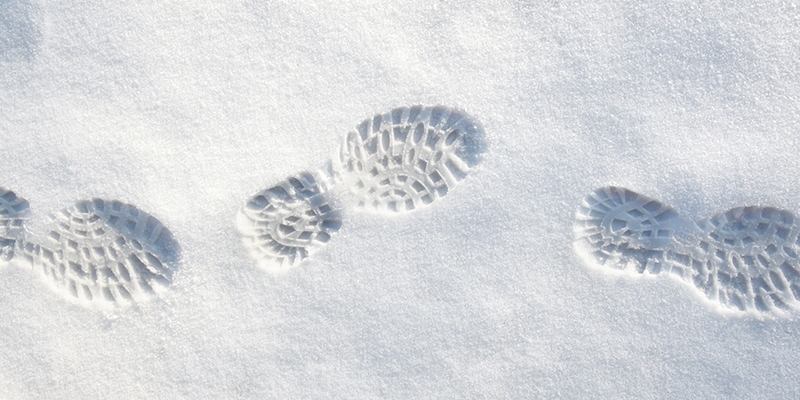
point(394, 162)
point(745, 259)
point(103, 253)
point(409, 157)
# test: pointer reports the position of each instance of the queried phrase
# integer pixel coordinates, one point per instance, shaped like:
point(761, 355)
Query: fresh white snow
point(186, 109)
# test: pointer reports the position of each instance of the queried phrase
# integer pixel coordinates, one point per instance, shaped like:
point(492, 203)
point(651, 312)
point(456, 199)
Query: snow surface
point(187, 108)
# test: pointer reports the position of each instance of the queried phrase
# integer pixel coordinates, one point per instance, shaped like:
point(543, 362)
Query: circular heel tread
point(287, 223)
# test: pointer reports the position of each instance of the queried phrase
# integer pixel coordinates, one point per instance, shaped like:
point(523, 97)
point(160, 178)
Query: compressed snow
point(186, 109)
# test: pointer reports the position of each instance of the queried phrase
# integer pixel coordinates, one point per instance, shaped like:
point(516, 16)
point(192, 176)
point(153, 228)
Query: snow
point(185, 109)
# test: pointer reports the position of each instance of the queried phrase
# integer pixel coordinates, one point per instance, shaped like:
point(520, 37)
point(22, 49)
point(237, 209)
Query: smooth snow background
point(185, 109)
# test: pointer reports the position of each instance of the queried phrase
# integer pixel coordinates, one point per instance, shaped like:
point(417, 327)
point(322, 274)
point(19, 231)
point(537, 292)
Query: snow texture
point(172, 115)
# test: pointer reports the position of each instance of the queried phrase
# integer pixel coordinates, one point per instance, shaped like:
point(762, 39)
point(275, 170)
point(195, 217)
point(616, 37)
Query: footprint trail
point(745, 259)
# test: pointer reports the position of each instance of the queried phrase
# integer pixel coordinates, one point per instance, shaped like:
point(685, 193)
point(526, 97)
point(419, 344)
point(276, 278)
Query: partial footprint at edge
point(13, 210)
point(103, 253)
point(744, 259)
point(285, 224)
point(408, 157)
